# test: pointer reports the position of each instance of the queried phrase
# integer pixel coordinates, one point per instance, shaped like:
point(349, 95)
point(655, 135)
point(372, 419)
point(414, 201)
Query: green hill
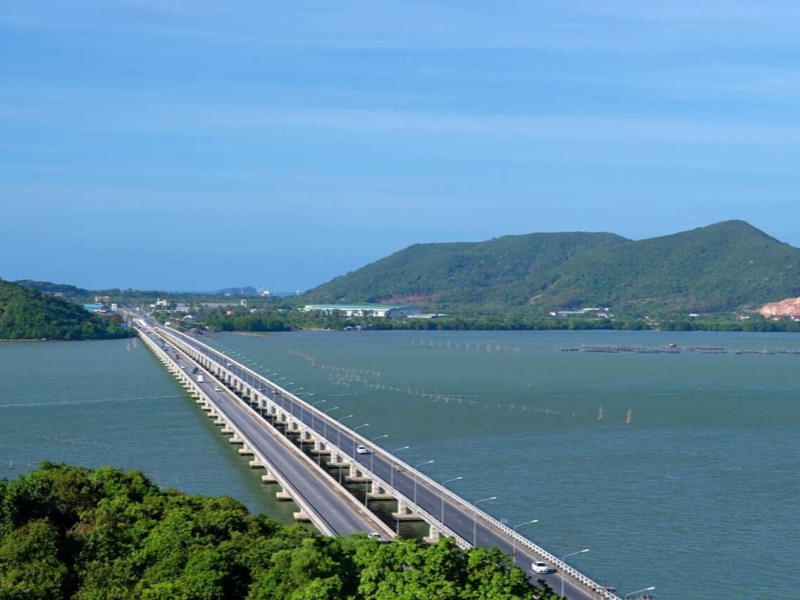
point(505, 271)
point(715, 269)
point(27, 314)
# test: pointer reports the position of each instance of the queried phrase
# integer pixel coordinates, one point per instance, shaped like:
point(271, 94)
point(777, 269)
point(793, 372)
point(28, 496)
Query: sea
point(672, 456)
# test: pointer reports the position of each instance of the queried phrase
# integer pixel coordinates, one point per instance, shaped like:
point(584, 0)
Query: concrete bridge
point(290, 440)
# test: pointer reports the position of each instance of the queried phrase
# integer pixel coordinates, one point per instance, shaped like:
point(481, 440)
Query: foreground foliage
point(68, 532)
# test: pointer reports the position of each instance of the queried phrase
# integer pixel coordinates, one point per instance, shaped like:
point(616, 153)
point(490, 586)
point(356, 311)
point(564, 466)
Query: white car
point(362, 450)
point(538, 566)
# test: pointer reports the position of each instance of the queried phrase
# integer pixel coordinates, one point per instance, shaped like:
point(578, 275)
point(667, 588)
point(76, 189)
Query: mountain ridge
point(718, 268)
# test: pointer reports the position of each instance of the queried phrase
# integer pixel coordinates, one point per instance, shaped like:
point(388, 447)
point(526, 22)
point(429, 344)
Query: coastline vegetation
point(273, 319)
point(27, 314)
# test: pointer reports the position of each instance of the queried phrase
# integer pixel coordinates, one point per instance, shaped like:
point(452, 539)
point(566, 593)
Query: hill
point(498, 273)
point(715, 269)
point(27, 314)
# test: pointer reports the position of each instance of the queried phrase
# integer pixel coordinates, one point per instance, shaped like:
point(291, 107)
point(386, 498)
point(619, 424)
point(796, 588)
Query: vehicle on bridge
point(538, 566)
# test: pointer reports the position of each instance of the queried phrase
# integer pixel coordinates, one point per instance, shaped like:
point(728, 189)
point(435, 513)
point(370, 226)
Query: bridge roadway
point(444, 510)
point(336, 508)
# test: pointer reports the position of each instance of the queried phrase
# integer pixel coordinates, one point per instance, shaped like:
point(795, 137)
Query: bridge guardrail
point(296, 496)
point(389, 457)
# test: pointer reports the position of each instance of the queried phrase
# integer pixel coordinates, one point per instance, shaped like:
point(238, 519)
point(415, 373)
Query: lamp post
point(313, 404)
point(647, 589)
point(475, 518)
point(392, 467)
point(339, 431)
point(427, 462)
point(514, 538)
point(356, 428)
point(441, 520)
point(371, 463)
point(561, 571)
point(372, 452)
point(289, 400)
point(325, 423)
point(303, 405)
point(339, 440)
point(280, 391)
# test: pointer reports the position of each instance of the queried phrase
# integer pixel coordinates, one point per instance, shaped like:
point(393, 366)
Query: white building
point(386, 311)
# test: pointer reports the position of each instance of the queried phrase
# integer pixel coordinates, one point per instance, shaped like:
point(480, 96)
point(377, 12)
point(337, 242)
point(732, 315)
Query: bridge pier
point(320, 447)
point(356, 475)
point(378, 492)
point(404, 513)
point(338, 460)
point(434, 534)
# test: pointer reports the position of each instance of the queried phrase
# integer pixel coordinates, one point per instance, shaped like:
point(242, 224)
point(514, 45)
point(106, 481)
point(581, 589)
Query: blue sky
point(158, 144)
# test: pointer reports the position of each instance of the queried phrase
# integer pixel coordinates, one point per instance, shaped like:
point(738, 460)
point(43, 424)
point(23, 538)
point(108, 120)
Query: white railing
point(298, 498)
point(523, 542)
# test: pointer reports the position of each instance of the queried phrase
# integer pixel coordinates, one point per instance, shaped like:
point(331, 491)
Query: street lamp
point(514, 538)
point(325, 423)
point(356, 428)
point(339, 431)
point(313, 404)
point(427, 462)
point(303, 402)
point(338, 445)
point(561, 571)
point(441, 520)
point(475, 519)
point(392, 467)
point(372, 462)
point(647, 589)
point(288, 400)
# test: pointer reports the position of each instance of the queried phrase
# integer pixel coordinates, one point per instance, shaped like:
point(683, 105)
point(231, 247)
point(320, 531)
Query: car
point(362, 450)
point(216, 389)
point(538, 566)
point(374, 535)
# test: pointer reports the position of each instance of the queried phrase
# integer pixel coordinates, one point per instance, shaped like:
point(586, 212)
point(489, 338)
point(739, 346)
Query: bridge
point(290, 439)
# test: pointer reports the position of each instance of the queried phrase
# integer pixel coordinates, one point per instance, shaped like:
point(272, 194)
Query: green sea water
point(688, 483)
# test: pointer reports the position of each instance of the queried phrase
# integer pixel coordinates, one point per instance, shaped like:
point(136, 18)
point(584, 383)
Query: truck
point(200, 379)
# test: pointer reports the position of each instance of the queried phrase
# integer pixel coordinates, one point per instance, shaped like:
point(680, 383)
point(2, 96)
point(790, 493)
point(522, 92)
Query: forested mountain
point(68, 532)
point(714, 269)
point(27, 314)
point(501, 272)
point(47, 287)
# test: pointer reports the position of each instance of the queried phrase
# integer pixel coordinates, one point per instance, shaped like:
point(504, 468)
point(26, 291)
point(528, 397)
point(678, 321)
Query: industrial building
point(386, 311)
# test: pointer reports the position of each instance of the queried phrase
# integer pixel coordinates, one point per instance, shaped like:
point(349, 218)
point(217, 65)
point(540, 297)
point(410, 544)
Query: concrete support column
point(434, 535)
point(404, 513)
point(320, 447)
point(355, 475)
point(338, 460)
point(377, 492)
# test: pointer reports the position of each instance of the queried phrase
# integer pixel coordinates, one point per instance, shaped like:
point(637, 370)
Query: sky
point(193, 146)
